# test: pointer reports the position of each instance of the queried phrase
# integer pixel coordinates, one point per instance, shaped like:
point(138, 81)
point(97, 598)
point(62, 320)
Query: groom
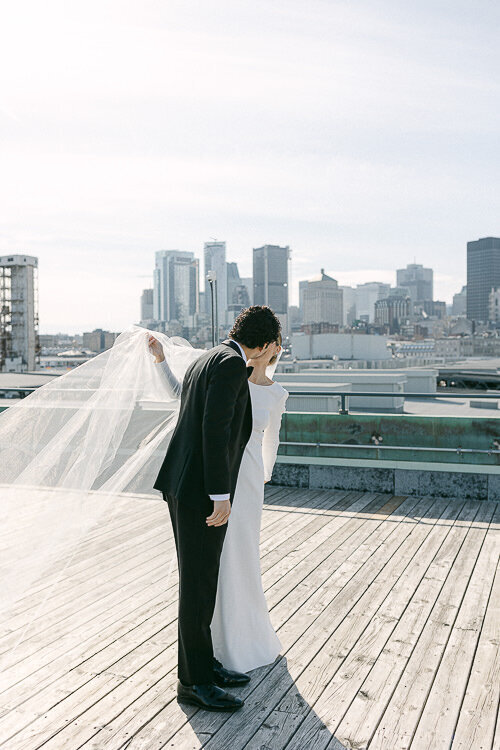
point(198, 479)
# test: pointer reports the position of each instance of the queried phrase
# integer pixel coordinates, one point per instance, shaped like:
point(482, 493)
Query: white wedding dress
point(242, 634)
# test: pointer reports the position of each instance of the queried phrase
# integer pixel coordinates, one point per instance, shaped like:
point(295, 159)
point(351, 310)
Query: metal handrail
point(489, 452)
point(438, 394)
point(344, 395)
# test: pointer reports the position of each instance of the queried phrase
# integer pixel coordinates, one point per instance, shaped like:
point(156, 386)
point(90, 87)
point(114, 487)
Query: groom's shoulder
point(221, 354)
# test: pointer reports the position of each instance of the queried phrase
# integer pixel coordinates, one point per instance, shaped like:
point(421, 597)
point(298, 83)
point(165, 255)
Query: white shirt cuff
point(218, 498)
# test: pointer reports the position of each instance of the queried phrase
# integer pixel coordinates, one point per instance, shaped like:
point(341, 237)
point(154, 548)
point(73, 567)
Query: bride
point(84, 449)
point(242, 634)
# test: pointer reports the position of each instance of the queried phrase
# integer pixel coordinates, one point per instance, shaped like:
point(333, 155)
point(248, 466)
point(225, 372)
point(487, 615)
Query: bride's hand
point(156, 348)
point(272, 349)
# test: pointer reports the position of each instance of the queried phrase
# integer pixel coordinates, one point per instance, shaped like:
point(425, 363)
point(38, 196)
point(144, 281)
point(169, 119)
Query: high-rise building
point(247, 281)
point(348, 305)
point(483, 274)
point(19, 344)
point(460, 302)
point(147, 304)
point(494, 305)
point(302, 287)
point(322, 300)
point(99, 340)
point(233, 280)
point(366, 296)
point(270, 280)
point(240, 300)
point(392, 312)
point(176, 286)
point(418, 280)
point(215, 261)
point(430, 308)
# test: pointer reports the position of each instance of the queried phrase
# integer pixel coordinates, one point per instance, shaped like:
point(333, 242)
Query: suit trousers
point(199, 548)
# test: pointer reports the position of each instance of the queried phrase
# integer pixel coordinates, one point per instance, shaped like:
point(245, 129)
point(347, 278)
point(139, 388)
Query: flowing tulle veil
point(74, 454)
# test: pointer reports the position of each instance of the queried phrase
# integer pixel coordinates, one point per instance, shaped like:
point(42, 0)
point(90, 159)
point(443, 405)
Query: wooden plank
point(163, 718)
point(387, 706)
point(344, 660)
point(479, 710)
point(442, 707)
point(68, 654)
point(113, 668)
point(342, 593)
point(305, 636)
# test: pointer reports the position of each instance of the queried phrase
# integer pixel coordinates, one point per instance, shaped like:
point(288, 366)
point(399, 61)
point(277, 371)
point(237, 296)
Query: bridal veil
point(77, 451)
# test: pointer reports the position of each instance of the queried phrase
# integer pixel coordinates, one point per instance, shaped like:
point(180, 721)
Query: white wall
point(344, 345)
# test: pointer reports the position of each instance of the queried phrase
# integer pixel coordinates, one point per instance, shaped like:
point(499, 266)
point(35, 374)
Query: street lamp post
point(212, 280)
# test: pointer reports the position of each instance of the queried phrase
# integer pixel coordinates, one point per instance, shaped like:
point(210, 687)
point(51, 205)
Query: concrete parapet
point(428, 480)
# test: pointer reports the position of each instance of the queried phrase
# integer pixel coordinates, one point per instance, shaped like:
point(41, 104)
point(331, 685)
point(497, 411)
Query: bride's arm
point(174, 385)
point(271, 439)
point(172, 382)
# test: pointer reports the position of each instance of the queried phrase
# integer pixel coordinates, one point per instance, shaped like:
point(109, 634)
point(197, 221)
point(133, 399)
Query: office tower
point(418, 280)
point(392, 311)
point(460, 302)
point(431, 308)
point(215, 261)
point(240, 300)
point(233, 281)
point(147, 304)
point(98, 340)
point(348, 305)
point(366, 296)
point(483, 274)
point(176, 286)
point(302, 287)
point(322, 300)
point(19, 345)
point(270, 280)
point(494, 305)
point(247, 281)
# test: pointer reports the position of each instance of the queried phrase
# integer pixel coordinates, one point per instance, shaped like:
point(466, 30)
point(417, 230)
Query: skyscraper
point(348, 305)
point(19, 346)
point(233, 281)
point(483, 274)
point(247, 281)
point(393, 311)
point(460, 302)
point(147, 305)
point(176, 286)
point(270, 280)
point(215, 260)
point(366, 296)
point(418, 280)
point(322, 300)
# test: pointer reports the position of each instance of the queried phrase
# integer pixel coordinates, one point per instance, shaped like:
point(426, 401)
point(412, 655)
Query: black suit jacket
point(213, 427)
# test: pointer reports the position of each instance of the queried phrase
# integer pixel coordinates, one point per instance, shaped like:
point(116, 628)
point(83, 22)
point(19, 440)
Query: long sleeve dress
point(243, 636)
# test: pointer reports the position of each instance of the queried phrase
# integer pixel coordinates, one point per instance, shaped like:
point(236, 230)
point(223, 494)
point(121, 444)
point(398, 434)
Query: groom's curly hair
point(255, 326)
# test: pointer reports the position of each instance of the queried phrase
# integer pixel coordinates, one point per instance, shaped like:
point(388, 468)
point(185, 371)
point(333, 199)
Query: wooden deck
point(388, 609)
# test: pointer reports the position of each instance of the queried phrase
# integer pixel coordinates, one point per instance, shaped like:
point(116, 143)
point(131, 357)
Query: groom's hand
point(222, 509)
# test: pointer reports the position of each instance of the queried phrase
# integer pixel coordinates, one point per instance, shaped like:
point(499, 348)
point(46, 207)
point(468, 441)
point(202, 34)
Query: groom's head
point(255, 328)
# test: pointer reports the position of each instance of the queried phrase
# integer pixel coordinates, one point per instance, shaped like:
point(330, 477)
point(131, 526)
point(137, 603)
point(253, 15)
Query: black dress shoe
point(208, 696)
point(228, 677)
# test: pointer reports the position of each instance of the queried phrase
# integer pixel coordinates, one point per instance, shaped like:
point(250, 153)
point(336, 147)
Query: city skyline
point(359, 135)
point(347, 279)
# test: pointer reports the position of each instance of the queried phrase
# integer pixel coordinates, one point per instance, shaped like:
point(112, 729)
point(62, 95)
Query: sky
point(363, 134)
